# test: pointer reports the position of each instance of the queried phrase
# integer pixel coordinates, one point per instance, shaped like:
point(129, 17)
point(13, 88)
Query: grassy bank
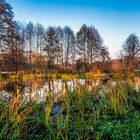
point(64, 76)
point(68, 76)
point(111, 112)
point(51, 76)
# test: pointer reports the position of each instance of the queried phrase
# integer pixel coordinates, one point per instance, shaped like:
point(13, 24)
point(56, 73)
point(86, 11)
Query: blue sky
point(115, 19)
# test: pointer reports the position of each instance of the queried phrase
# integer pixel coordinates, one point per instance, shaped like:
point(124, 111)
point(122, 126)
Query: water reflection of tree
point(38, 89)
point(25, 88)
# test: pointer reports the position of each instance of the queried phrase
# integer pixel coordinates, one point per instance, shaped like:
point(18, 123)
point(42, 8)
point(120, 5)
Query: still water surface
point(37, 89)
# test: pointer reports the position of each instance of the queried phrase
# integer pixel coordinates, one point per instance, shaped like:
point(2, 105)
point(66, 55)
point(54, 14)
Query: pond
point(37, 89)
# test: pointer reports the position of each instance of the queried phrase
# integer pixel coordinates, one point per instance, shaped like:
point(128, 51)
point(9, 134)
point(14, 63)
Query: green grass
point(113, 113)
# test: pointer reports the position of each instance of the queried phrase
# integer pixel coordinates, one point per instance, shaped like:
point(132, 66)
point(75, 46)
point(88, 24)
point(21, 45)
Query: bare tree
point(130, 51)
point(69, 40)
point(14, 53)
point(40, 43)
point(60, 38)
point(81, 40)
point(90, 46)
point(30, 33)
point(52, 47)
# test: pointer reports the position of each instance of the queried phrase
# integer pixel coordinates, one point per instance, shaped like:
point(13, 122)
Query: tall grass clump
point(118, 95)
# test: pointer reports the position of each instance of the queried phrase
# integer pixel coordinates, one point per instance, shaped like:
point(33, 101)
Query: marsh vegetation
point(70, 109)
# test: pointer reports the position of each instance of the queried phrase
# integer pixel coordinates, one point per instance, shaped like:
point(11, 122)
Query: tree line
point(29, 47)
point(59, 46)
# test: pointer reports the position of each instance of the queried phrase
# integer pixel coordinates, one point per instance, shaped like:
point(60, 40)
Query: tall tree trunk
point(30, 55)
